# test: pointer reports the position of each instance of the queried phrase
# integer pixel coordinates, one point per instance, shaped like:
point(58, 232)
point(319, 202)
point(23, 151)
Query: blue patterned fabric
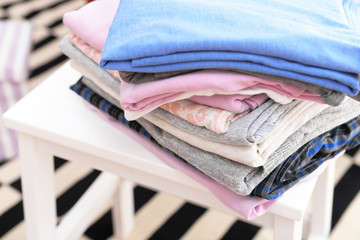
point(315, 42)
point(308, 158)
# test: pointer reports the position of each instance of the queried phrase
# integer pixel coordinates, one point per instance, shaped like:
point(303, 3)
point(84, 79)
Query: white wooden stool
point(52, 121)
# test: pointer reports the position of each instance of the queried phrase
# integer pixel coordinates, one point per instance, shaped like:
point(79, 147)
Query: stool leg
point(37, 181)
point(322, 204)
point(88, 207)
point(123, 209)
point(287, 229)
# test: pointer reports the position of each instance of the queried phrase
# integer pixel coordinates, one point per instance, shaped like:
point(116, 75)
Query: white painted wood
point(88, 207)
point(37, 181)
point(59, 122)
point(287, 229)
point(178, 184)
point(293, 204)
point(322, 204)
point(123, 209)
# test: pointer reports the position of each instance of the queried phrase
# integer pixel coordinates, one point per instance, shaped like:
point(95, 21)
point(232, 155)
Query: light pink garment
point(92, 22)
point(234, 103)
point(139, 97)
point(248, 207)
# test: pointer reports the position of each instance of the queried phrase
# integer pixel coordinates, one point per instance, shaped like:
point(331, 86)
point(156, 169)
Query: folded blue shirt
point(312, 41)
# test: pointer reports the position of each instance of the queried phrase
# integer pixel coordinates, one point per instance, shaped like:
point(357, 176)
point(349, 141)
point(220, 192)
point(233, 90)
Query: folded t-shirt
point(312, 42)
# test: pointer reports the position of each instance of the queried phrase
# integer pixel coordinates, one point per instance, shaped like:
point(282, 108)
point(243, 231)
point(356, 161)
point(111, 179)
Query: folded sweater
point(311, 42)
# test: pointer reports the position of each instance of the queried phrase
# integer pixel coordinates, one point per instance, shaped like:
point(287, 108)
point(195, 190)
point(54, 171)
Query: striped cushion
point(10, 93)
point(15, 45)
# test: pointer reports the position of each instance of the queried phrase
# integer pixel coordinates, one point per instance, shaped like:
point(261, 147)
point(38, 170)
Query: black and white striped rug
point(158, 215)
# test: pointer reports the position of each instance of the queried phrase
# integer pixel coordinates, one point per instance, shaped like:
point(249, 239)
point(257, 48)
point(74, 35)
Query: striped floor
point(158, 215)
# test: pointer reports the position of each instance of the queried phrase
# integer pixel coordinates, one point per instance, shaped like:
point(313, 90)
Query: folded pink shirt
point(236, 103)
point(147, 95)
point(248, 207)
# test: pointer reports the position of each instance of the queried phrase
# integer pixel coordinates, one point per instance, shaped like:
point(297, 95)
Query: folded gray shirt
point(239, 177)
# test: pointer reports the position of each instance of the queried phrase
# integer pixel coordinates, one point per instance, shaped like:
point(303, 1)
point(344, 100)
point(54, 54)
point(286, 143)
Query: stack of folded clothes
point(255, 97)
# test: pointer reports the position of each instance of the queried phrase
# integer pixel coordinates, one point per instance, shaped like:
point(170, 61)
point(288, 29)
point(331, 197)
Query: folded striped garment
point(316, 43)
point(15, 46)
point(10, 93)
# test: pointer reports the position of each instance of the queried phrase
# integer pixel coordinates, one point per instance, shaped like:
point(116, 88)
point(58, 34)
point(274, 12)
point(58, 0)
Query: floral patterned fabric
point(217, 120)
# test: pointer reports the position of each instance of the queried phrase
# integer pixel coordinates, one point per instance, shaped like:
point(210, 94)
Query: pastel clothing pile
point(15, 46)
point(250, 112)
